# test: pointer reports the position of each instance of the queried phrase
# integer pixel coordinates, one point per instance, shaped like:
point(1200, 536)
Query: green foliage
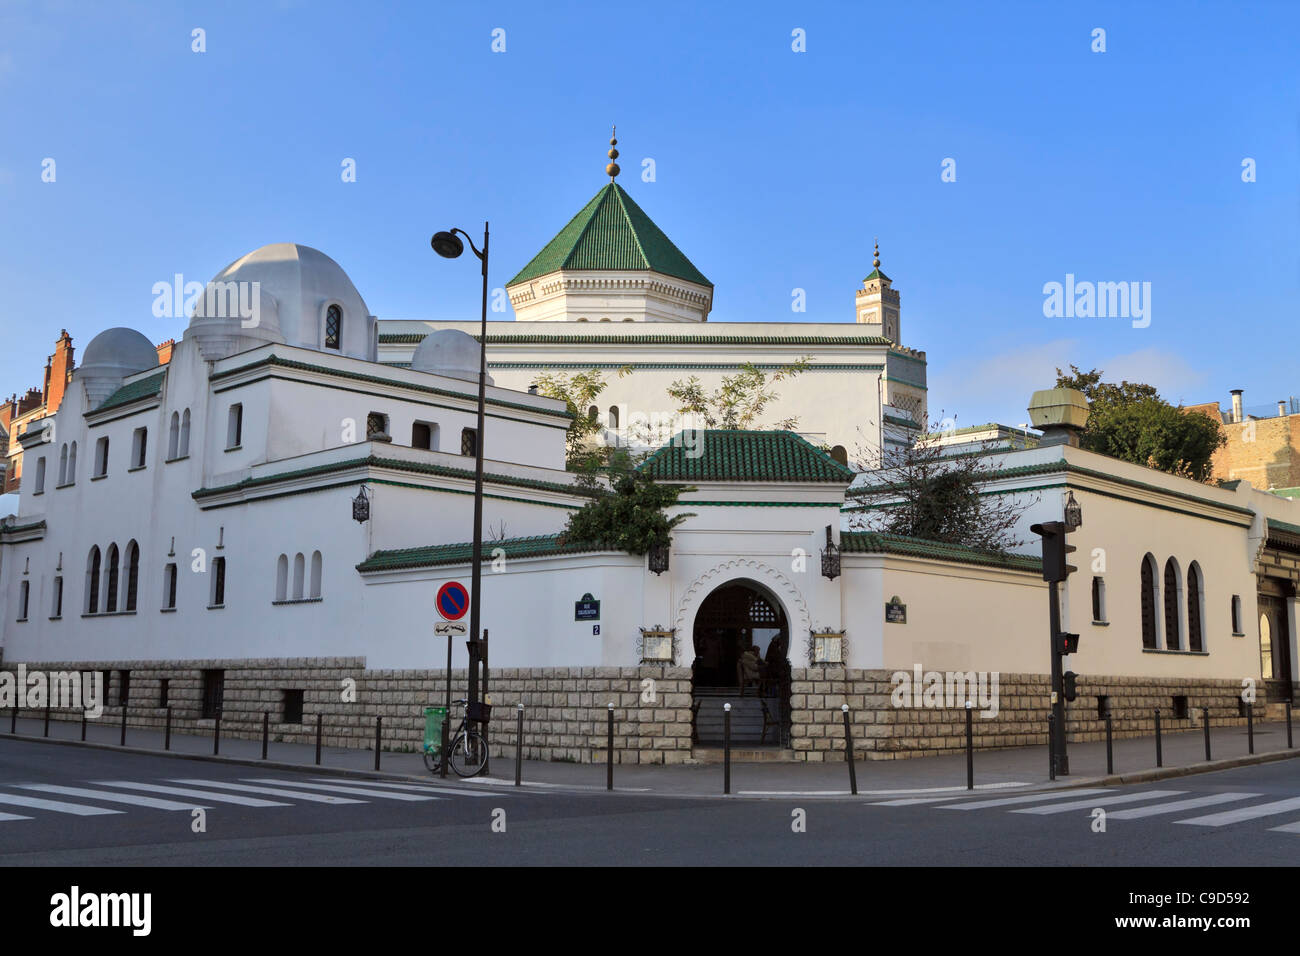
point(1130, 421)
point(739, 401)
point(630, 518)
point(579, 392)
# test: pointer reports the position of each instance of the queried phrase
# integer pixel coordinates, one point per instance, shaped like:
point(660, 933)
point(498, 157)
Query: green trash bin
point(434, 718)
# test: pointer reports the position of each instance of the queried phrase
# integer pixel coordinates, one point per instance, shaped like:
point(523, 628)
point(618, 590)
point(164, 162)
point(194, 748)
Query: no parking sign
point(452, 601)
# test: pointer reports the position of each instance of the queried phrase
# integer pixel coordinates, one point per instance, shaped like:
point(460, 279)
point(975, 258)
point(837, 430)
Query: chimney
point(1281, 409)
point(60, 371)
point(164, 350)
point(1236, 405)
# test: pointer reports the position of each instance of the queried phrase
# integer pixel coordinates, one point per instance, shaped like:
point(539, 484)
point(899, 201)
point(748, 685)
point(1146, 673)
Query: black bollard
point(379, 736)
point(1289, 745)
point(726, 748)
point(519, 745)
point(1250, 726)
point(83, 725)
point(1110, 745)
point(848, 751)
point(1160, 757)
point(970, 746)
point(266, 731)
point(1205, 721)
point(318, 720)
point(609, 751)
point(47, 718)
point(216, 735)
point(13, 720)
point(1051, 746)
point(122, 742)
point(167, 732)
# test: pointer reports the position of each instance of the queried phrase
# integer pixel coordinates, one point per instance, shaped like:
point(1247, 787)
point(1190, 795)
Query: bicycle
point(466, 747)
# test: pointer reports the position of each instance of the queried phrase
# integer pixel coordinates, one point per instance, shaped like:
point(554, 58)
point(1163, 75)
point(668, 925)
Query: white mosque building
point(272, 513)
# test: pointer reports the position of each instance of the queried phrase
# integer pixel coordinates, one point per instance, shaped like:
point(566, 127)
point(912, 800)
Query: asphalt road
point(69, 806)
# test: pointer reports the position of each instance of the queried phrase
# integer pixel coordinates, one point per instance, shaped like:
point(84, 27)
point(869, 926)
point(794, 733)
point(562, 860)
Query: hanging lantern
point(659, 558)
point(1073, 513)
point(830, 558)
point(361, 506)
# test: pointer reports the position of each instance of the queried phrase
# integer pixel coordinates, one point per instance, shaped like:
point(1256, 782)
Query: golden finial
point(612, 169)
point(876, 261)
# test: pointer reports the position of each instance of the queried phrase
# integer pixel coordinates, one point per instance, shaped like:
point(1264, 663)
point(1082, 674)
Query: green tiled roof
point(869, 542)
point(1275, 525)
point(512, 338)
point(876, 274)
point(744, 456)
point(144, 388)
point(611, 232)
point(537, 546)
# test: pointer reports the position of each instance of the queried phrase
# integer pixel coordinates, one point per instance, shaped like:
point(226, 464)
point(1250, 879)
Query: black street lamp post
point(449, 246)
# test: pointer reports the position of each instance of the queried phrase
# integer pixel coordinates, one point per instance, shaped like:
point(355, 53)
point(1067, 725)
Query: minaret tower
point(878, 302)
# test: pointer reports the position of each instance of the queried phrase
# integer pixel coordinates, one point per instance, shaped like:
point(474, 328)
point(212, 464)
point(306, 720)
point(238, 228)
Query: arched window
point(111, 579)
point(333, 327)
point(63, 464)
point(72, 463)
point(1265, 647)
point(1195, 635)
point(315, 574)
point(174, 436)
point(132, 575)
point(298, 570)
point(282, 577)
point(92, 581)
point(185, 434)
point(613, 417)
point(593, 413)
point(1236, 615)
point(1173, 590)
point(1149, 640)
point(1098, 599)
point(169, 587)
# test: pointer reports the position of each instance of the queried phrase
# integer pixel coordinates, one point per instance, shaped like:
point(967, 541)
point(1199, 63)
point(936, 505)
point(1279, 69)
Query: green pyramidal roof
point(611, 232)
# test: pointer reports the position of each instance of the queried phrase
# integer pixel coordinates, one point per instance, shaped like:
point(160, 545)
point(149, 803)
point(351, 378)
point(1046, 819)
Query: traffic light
point(1069, 685)
point(1054, 550)
point(1066, 644)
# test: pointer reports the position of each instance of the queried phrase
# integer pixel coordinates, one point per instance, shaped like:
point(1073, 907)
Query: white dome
point(448, 352)
point(110, 357)
point(295, 286)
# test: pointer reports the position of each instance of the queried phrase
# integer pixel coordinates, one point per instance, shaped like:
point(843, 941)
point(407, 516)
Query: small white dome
point(448, 352)
point(110, 357)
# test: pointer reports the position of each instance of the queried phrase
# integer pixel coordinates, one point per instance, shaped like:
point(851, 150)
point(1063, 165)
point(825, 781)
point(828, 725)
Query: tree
point(1130, 421)
point(578, 392)
point(924, 490)
point(739, 401)
point(632, 517)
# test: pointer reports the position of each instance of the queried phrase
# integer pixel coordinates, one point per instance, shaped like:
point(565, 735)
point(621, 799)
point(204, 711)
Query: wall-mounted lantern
point(361, 506)
point(830, 558)
point(1073, 513)
point(659, 558)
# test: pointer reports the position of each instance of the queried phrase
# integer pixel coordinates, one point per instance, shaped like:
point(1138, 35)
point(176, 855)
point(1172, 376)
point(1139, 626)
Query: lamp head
point(447, 244)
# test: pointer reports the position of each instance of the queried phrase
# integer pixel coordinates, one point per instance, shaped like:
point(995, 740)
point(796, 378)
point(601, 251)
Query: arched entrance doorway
point(742, 650)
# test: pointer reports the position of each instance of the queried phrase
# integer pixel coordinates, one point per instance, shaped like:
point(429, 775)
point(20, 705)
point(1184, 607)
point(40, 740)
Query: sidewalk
point(1021, 767)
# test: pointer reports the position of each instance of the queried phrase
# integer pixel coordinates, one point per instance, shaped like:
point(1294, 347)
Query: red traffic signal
point(1066, 643)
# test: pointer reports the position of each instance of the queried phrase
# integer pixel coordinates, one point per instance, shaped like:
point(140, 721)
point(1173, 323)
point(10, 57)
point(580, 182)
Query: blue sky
point(774, 169)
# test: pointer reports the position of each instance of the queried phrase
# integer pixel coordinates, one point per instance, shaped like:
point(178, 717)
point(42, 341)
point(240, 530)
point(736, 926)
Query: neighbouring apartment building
point(1263, 446)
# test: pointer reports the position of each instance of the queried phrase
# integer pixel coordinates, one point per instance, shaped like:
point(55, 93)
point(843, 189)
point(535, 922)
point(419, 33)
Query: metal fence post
point(1051, 746)
point(1160, 757)
point(216, 735)
point(379, 736)
point(970, 746)
point(848, 751)
point(1205, 721)
point(1250, 726)
point(609, 749)
point(519, 744)
point(167, 732)
point(47, 717)
point(266, 731)
point(726, 748)
point(122, 741)
point(318, 730)
point(13, 719)
point(83, 724)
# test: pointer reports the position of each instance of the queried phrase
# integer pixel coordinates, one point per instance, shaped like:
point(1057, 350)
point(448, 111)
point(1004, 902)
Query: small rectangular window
point(235, 427)
point(57, 608)
point(169, 587)
point(424, 435)
point(214, 689)
point(468, 442)
point(24, 593)
point(1098, 599)
point(218, 582)
point(123, 687)
point(333, 327)
point(1236, 614)
point(293, 706)
point(1180, 707)
point(40, 477)
point(164, 691)
point(139, 447)
point(376, 424)
point(101, 457)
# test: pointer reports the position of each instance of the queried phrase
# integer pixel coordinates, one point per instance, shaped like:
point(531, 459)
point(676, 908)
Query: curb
point(1166, 773)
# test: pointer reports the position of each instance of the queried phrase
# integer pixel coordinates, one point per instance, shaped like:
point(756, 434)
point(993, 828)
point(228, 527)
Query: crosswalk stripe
point(197, 794)
point(76, 809)
point(1178, 806)
point(136, 799)
point(272, 791)
point(913, 801)
point(1244, 813)
point(383, 795)
point(6, 817)
point(1288, 828)
point(1032, 798)
point(1100, 801)
point(413, 787)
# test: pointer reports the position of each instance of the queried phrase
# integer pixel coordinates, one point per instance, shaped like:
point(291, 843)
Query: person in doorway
point(749, 668)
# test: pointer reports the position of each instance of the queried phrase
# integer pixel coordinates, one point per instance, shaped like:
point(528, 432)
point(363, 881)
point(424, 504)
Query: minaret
point(878, 303)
